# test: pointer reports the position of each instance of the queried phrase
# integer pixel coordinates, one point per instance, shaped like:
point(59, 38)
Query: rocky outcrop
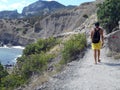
point(113, 40)
point(67, 20)
point(13, 32)
point(41, 7)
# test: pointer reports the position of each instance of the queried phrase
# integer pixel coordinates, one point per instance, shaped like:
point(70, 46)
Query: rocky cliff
point(28, 30)
point(64, 20)
point(12, 32)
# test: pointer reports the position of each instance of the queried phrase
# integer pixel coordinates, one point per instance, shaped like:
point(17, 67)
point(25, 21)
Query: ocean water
point(9, 55)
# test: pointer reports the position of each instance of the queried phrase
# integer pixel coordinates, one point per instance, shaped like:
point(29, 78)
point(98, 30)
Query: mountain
point(35, 9)
point(41, 7)
point(9, 14)
point(27, 30)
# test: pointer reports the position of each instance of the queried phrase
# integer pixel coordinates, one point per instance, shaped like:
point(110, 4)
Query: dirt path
point(85, 75)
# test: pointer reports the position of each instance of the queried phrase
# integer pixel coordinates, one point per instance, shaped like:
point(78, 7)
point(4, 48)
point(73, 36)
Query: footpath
point(85, 75)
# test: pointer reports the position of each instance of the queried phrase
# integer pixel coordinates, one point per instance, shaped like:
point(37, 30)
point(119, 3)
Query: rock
point(37, 27)
point(113, 41)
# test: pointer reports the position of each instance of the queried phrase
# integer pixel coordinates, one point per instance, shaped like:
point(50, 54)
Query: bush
point(34, 64)
point(34, 59)
point(73, 47)
point(109, 14)
point(3, 72)
point(41, 45)
point(11, 81)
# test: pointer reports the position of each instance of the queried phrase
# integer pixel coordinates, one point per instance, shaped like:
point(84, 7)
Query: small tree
point(3, 73)
point(109, 14)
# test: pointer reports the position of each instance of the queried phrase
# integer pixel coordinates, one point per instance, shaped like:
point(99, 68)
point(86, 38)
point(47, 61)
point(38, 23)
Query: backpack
point(96, 36)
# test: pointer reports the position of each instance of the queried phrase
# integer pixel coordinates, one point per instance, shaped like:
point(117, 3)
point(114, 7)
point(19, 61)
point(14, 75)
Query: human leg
point(95, 56)
point(98, 55)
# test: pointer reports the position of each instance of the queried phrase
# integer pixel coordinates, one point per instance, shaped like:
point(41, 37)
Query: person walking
point(97, 39)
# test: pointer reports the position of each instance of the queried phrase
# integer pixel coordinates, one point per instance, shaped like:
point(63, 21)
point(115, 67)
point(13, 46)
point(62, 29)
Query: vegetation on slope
point(35, 60)
point(73, 47)
point(109, 14)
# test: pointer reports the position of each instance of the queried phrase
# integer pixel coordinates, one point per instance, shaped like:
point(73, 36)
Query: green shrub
point(73, 47)
point(41, 45)
point(3, 72)
point(109, 14)
point(11, 81)
point(34, 64)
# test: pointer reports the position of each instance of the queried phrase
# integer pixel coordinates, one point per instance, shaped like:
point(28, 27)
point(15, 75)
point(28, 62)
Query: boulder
point(113, 41)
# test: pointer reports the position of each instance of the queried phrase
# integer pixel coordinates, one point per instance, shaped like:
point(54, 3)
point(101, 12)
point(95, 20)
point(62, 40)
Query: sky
point(20, 4)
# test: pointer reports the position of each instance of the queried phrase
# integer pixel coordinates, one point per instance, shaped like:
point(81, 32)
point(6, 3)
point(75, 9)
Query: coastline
point(15, 59)
point(17, 47)
point(8, 55)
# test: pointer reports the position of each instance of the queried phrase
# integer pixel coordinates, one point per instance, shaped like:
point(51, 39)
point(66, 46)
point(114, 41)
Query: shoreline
point(17, 47)
point(5, 59)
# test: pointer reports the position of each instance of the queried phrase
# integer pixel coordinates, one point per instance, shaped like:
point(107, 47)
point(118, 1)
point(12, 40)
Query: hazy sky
point(19, 4)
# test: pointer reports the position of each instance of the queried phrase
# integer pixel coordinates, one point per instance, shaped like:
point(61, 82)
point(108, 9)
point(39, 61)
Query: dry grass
point(38, 81)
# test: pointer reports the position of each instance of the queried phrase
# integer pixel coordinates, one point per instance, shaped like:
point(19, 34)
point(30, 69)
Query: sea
point(8, 55)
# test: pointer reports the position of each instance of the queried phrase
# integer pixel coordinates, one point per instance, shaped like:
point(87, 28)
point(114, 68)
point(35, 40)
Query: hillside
point(66, 61)
point(28, 30)
point(46, 81)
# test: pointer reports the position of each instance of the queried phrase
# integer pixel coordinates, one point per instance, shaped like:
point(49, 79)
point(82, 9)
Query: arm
point(102, 37)
point(91, 35)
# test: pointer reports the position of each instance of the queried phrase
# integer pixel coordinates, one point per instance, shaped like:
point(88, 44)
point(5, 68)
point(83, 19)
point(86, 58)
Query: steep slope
point(25, 31)
point(13, 32)
point(65, 20)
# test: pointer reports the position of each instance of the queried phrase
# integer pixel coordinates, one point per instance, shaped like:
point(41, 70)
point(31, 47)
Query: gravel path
point(85, 75)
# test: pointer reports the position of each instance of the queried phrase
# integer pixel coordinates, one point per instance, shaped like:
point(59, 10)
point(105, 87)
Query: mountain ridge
point(41, 6)
point(37, 8)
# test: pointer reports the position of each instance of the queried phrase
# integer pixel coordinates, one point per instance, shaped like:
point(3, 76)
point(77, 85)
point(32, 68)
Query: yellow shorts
point(96, 46)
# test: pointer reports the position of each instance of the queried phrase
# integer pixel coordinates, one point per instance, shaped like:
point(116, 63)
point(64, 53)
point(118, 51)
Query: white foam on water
point(17, 47)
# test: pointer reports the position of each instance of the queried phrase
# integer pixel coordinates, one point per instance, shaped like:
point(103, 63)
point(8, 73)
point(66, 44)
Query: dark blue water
point(9, 55)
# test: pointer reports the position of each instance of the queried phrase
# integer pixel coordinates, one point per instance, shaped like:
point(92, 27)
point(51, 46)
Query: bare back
point(101, 34)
